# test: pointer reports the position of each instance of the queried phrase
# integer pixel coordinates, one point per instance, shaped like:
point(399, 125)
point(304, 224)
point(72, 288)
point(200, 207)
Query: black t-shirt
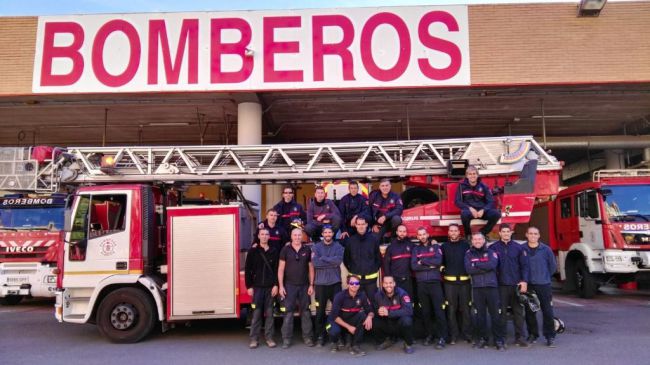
point(296, 268)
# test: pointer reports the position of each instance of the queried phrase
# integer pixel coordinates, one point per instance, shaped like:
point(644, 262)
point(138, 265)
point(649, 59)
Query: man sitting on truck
point(321, 211)
point(278, 235)
point(351, 206)
point(386, 208)
point(289, 209)
point(475, 201)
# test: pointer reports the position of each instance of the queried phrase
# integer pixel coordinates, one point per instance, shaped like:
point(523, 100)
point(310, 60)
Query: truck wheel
point(416, 196)
point(585, 282)
point(11, 299)
point(126, 315)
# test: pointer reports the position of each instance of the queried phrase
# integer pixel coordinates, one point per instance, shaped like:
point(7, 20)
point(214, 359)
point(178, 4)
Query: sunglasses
point(354, 283)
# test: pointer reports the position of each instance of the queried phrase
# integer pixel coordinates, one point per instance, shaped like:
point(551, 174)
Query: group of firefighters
point(446, 287)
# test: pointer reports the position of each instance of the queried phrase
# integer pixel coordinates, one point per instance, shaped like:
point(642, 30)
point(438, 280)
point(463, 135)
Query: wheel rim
point(123, 316)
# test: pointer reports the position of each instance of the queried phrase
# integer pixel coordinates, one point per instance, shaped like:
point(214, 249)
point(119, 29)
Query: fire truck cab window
point(96, 216)
point(588, 205)
point(565, 207)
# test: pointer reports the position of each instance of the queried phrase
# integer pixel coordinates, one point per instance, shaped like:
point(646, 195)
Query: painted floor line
point(567, 302)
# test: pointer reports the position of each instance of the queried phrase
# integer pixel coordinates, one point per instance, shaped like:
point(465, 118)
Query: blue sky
point(56, 7)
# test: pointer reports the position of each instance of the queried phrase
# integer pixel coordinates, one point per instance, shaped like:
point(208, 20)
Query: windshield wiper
point(8, 229)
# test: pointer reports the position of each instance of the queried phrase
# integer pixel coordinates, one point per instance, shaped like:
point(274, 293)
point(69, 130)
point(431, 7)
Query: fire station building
point(575, 77)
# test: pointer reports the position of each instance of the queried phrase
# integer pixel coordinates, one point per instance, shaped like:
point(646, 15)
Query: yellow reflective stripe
point(373, 276)
point(253, 305)
point(316, 304)
point(106, 272)
point(455, 278)
point(463, 278)
point(283, 309)
point(328, 326)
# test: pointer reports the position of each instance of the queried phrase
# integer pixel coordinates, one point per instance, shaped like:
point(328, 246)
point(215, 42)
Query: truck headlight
point(50, 279)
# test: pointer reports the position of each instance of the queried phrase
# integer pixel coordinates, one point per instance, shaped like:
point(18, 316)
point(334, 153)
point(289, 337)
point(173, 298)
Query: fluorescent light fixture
point(551, 116)
point(591, 7)
point(168, 124)
point(361, 120)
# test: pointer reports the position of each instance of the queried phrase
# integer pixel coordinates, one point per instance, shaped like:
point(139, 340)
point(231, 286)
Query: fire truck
point(600, 230)
point(132, 259)
point(31, 230)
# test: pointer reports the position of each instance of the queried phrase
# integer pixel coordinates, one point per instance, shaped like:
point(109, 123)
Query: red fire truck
point(600, 230)
point(31, 230)
point(132, 260)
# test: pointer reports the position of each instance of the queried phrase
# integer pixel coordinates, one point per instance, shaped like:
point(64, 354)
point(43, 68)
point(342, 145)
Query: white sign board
point(320, 49)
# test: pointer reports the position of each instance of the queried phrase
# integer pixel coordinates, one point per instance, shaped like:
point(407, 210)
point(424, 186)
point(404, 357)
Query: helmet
point(296, 223)
point(558, 324)
point(529, 299)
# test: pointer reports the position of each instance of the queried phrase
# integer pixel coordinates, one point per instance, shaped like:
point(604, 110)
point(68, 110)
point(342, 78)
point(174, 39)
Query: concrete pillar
point(614, 159)
point(249, 131)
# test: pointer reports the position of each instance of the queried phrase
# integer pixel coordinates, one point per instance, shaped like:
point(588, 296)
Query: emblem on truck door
point(107, 247)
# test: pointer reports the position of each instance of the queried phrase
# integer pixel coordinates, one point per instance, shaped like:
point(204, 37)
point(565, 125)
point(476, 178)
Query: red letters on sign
point(50, 51)
point(98, 53)
point(404, 46)
point(440, 45)
point(271, 47)
point(341, 49)
point(218, 48)
point(189, 35)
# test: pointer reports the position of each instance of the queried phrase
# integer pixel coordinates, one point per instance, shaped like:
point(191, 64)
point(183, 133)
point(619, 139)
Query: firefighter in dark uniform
point(262, 284)
point(542, 267)
point(475, 201)
point(289, 209)
point(321, 212)
point(386, 208)
point(426, 261)
point(481, 263)
point(394, 315)
point(278, 235)
point(351, 206)
point(458, 289)
point(351, 313)
point(513, 273)
point(296, 285)
point(327, 257)
point(362, 257)
point(397, 260)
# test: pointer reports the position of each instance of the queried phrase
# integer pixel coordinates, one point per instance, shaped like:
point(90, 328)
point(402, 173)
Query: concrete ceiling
point(290, 117)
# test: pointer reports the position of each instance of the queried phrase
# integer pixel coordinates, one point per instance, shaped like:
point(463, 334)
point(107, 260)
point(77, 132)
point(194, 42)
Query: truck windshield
point(32, 218)
point(628, 203)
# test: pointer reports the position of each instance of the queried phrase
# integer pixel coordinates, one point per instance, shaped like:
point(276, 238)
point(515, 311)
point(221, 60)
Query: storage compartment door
point(203, 266)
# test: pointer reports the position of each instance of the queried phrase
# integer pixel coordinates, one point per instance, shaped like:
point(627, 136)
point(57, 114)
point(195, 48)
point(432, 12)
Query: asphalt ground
point(612, 329)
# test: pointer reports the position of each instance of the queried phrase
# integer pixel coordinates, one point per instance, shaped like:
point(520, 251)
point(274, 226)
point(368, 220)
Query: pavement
point(613, 328)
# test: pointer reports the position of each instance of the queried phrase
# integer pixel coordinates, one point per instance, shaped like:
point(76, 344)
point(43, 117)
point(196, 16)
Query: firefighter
point(513, 273)
point(362, 257)
point(394, 315)
point(262, 285)
point(542, 268)
point(296, 285)
point(351, 313)
point(386, 208)
point(475, 201)
point(321, 211)
point(397, 260)
point(426, 261)
point(458, 289)
point(326, 257)
point(481, 263)
point(351, 206)
point(279, 236)
point(289, 209)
